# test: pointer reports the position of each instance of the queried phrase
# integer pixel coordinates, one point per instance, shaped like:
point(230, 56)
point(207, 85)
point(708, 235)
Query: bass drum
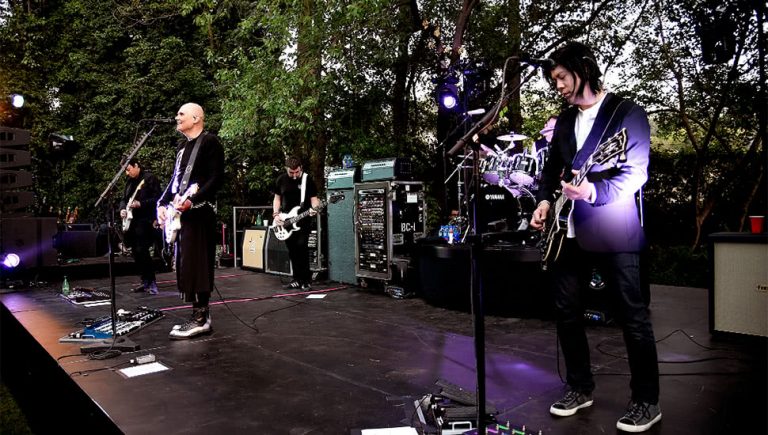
point(499, 209)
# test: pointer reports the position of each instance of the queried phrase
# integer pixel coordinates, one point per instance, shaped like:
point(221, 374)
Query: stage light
point(59, 141)
point(17, 100)
point(10, 260)
point(448, 96)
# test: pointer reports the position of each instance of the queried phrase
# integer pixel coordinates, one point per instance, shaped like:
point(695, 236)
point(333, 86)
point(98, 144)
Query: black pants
point(621, 271)
point(140, 237)
point(298, 252)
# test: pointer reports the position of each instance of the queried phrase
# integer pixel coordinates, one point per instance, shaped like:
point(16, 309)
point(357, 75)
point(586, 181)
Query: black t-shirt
point(290, 192)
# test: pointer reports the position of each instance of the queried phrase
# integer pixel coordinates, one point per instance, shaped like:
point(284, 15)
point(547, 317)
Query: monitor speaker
point(253, 248)
point(276, 259)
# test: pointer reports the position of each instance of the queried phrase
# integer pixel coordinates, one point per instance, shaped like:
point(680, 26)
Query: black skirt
point(196, 252)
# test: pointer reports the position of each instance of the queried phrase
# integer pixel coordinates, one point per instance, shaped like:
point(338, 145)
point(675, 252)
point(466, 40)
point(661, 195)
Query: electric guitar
point(556, 226)
point(128, 210)
point(172, 223)
point(282, 232)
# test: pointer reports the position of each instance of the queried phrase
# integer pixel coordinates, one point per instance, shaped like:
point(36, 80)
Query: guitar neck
point(302, 215)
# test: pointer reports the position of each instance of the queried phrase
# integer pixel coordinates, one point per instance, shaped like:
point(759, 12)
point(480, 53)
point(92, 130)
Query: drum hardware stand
point(122, 344)
point(475, 241)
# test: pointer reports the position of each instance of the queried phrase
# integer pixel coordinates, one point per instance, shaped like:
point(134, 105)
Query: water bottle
point(65, 287)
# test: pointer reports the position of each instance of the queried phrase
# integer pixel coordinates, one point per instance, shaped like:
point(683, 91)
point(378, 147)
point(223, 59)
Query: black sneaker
point(571, 403)
point(199, 324)
point(294, 285)
point(640, 417)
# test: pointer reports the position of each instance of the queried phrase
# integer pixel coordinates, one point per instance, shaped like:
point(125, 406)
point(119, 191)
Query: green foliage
point(326, 78)
point(679, 266)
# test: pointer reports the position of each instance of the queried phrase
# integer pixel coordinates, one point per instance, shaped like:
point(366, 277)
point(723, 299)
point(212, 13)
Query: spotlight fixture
point(11, 260)
point(17, 100)
point(58, 141)
point(448, 93)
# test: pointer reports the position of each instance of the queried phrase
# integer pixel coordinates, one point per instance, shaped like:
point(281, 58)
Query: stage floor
point(342, 359)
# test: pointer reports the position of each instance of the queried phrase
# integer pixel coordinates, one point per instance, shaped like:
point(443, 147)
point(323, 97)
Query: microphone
point(474, 112)
point(161, 120)
point(537, 62)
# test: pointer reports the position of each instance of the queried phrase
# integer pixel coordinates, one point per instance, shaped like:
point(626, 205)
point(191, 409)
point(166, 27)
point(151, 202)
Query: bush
point(679, 266)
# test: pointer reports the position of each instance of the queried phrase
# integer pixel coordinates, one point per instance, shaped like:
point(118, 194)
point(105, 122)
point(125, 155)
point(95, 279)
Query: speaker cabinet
point(276, 259)
point(341, 237)
point(253, 248)
point(739, 293)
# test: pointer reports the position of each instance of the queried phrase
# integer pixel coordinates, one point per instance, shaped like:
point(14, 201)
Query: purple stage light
point(11, 260)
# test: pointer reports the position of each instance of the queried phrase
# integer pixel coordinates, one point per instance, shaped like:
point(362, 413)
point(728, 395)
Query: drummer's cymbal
point(488, 150)
point(512, 137)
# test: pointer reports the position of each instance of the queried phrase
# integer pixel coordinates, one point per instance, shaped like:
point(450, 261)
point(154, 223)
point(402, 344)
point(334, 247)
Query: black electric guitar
point(556, 227)
point(290, 219)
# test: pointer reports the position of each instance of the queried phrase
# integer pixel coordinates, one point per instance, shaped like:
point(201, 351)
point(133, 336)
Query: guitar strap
point(190, 163)
point(303, 188)
point(600, 125)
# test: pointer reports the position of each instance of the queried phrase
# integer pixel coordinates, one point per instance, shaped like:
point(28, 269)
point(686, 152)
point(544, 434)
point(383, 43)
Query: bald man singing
point(196, 179)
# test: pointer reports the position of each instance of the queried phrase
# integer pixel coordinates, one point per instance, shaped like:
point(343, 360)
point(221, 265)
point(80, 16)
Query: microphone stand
point(476, 246)
point(122, 344)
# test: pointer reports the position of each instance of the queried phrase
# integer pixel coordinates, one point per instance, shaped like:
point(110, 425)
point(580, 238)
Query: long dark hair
point(580, 61)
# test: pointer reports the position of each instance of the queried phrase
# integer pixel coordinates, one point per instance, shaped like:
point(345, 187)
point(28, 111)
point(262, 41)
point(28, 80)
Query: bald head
point(190, 120)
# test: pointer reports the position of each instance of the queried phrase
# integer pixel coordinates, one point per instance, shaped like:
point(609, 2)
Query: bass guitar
point(290, 219)
point(282, 232)
point(556, 226)
point(172, 223)
point(128, 210)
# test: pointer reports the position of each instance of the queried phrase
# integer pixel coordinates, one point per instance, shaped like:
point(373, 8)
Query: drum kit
point(511, 173)
point(511, 168)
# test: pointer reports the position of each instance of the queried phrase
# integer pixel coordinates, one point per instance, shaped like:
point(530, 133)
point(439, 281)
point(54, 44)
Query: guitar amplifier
point(276, 259)
point(253, 248)
point(393, 168)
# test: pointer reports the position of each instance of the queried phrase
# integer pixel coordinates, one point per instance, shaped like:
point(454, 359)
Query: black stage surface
point(281, 363)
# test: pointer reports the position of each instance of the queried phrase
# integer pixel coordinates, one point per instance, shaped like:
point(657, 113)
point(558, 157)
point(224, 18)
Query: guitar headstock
point(616, 145)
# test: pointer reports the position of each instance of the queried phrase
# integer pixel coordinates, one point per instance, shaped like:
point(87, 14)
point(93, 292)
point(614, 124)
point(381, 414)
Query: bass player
point(603, 229)
point(200, 167)
point(137, 210)
point(295, 188)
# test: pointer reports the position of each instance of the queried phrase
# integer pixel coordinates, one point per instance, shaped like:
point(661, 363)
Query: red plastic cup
point(757, 223)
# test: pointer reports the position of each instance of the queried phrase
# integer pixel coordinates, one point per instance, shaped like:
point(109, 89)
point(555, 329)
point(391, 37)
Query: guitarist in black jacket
point(603, 229)
point(287, 197)
point(137, 209)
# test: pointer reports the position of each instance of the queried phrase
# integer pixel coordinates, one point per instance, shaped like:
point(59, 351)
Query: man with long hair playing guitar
point(601, 227)
point(295, 191)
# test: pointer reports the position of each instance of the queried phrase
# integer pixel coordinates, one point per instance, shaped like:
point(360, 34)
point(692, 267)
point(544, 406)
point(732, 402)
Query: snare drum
point(495, 169)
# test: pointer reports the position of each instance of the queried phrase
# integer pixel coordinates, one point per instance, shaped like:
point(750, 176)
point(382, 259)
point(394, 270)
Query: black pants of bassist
point(298, 252)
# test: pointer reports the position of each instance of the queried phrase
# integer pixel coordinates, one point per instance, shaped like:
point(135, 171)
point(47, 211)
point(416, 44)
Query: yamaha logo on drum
point(494, 197)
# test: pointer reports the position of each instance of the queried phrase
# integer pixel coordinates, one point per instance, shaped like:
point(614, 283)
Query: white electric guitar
point(290, 219)
point(282, 232)
point(128, 210)
point(172, 223)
